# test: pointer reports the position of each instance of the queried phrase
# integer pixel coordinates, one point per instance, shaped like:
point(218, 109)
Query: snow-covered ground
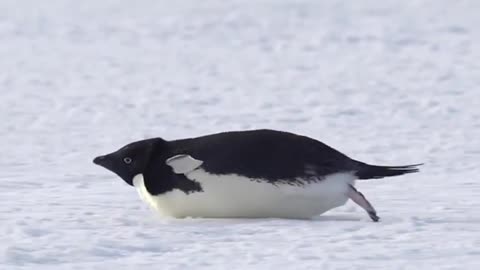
point(390, 82)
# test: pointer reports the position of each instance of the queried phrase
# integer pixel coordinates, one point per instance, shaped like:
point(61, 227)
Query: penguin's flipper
point(183, 164)
point(359, 199)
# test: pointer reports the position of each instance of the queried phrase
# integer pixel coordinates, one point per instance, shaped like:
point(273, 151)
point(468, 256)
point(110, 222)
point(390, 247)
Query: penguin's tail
point(366, 171)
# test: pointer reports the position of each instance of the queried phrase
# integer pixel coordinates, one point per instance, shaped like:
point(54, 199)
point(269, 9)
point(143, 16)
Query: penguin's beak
point(110, 162)
point(98, 160)
point(103, 161)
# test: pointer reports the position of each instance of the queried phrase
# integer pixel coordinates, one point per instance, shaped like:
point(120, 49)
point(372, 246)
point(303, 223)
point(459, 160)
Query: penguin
point(244, 174)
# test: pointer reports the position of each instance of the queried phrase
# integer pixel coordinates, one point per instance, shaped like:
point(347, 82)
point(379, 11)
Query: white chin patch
point(234, 196)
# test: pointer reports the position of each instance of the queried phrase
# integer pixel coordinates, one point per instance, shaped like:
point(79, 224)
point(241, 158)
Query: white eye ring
point(127, 160)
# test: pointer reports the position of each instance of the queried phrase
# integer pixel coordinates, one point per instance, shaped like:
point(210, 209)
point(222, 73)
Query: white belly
point(230, 196)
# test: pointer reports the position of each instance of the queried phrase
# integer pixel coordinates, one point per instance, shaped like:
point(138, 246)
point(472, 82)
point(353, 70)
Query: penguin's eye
point(127, 160)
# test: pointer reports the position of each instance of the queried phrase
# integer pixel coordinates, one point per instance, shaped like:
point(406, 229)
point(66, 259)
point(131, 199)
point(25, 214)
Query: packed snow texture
point(386, 82)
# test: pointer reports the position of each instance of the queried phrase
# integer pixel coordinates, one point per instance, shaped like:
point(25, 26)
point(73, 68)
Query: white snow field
point(386, 82)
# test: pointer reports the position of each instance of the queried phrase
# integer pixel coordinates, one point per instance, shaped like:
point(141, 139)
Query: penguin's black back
point(264, 154)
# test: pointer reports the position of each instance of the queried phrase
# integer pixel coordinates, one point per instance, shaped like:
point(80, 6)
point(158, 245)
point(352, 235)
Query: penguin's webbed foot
point(359, 199)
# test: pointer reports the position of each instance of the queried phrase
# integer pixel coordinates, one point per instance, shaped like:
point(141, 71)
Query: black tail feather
point(366, 171)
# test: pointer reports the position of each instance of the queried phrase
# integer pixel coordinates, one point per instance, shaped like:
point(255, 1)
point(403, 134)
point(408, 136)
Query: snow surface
point(389, 82)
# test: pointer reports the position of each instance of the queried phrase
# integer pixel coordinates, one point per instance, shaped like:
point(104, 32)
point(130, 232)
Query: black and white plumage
point(256, 173)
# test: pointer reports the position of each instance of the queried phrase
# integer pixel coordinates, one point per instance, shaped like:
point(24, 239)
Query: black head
point(132, 159)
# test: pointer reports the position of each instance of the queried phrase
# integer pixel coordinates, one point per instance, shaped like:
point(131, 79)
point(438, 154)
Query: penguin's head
point(130, 160)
